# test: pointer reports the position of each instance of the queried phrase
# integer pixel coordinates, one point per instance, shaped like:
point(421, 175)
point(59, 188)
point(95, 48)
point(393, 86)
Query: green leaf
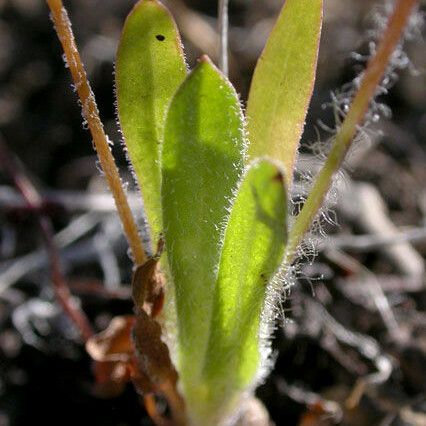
point(283, 82)
point(149, 69)
point(202, 160)
point(253, 249)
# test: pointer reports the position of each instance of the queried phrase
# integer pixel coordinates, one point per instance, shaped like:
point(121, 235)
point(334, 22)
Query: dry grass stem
point(100, 139)
point(374, 73)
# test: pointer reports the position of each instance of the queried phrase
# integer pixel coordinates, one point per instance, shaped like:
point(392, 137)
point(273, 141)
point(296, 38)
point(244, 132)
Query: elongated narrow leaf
point(283, 82)
point(202, 161)
point(149, 69)
point(253, 249)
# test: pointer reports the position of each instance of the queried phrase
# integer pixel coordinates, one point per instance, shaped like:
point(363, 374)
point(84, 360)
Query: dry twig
point(34, 202)
point(100, 139)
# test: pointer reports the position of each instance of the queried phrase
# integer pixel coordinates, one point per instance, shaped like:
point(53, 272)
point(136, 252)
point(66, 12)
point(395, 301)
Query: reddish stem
point(373, 74)
point(34, 201)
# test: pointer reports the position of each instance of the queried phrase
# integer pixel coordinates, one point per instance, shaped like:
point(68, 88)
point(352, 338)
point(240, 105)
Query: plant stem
point(372, 77)
point(100, 139)
point(34, 201)
point(223, 34)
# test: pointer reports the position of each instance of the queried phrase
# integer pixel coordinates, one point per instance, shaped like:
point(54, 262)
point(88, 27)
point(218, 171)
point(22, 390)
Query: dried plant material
point(131, 349)
point(112, 351)
point(152, 409)
point(114, 343)
point(111, 378)
point(153, 360)
point(148, 287)
point(151, 352)
point(116, 363)
point(34, 201)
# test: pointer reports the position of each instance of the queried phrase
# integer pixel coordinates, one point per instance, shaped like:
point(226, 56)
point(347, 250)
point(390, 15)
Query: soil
point(336, 333)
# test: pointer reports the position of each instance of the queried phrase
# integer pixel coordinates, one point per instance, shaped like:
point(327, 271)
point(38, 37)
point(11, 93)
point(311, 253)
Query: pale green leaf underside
point(283, 82)
point(253, 249)
point(202, 161)
point(149, 69)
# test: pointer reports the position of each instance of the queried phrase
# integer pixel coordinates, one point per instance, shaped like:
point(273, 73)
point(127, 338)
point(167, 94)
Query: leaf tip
point(205, 59)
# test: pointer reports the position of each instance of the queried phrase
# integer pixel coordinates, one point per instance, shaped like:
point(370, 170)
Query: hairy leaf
point(253, 250)
point(202, 161)
point(149, 69)
point(283, 82)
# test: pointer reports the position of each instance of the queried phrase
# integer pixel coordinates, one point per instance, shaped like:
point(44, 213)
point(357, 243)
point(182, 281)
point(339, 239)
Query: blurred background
point(351, 347)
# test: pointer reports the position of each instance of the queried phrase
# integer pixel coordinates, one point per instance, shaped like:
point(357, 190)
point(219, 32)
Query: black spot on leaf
point(278, 177)
point(160, 37)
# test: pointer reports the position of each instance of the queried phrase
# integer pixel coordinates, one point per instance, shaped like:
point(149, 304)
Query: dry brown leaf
point(111, 378)
point(151, 352)
point(131, 347)
point(153, 360)
point(148, 287)
point(112, 351)
point(148, 284)
point(114, 343)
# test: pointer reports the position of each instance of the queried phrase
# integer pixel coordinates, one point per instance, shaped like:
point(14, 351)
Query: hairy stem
point(100, 139)
point(372, 77)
